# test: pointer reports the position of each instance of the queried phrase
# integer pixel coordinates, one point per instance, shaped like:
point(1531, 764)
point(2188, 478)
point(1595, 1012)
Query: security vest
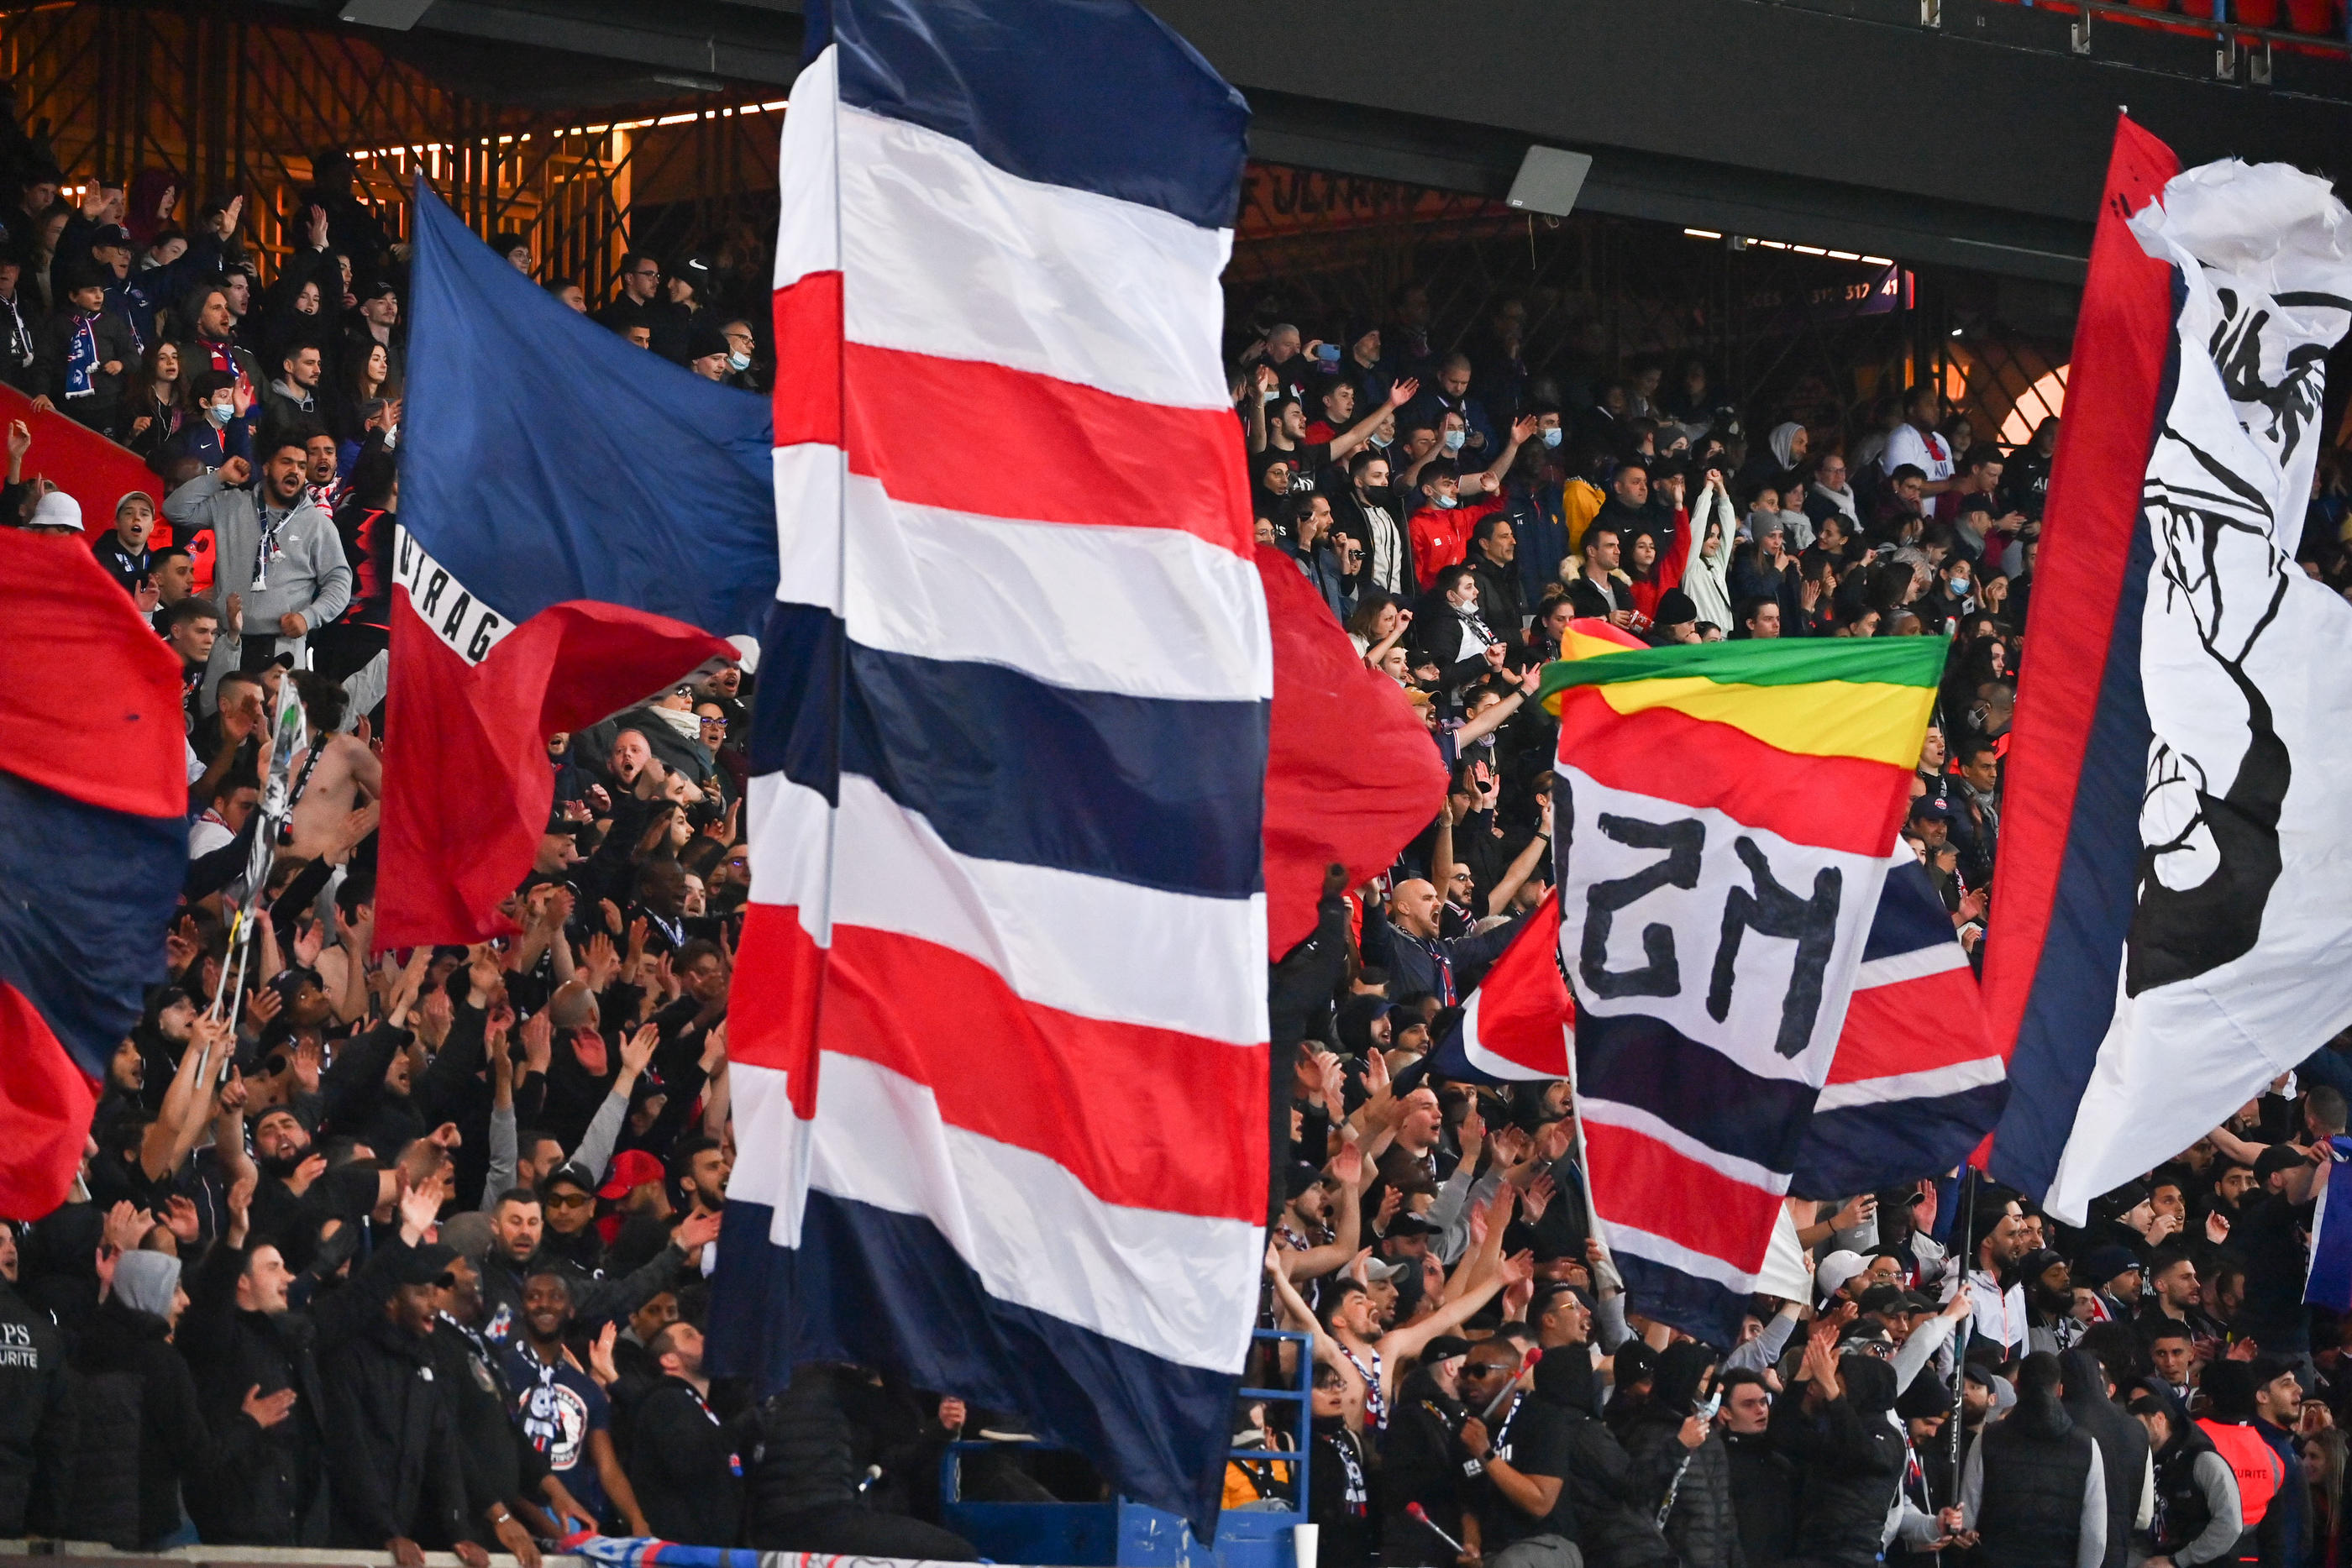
point(2259, 1471)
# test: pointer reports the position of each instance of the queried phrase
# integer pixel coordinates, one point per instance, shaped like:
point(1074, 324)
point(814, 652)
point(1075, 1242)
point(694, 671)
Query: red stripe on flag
point(1652, 1187)
point(2120, 342)
point(1913, 1026)
point(1521, 1009)
point(1143, 1117)
point(1145, 465)
point(45, 1110)
point(1842, 803)
point(807, 399)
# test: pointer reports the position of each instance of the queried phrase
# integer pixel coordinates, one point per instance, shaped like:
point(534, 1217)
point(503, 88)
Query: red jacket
point(1441, 538)
point(1665, 576)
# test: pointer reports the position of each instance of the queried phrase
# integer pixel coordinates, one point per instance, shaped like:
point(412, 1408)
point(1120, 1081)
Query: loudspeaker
point(1549, 179)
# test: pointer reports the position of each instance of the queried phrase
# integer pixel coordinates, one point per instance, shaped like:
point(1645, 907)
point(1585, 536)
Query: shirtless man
point(1349, 1337)
point(330, 814)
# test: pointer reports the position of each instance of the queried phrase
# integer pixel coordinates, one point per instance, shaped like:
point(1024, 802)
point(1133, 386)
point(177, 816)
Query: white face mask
point(738, 361)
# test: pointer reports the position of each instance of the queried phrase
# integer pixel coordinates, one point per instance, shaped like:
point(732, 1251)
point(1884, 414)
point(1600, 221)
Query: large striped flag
point(1723, 814)
point(999, 1024)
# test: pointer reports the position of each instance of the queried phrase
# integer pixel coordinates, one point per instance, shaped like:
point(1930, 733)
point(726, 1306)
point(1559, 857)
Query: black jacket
point(394, 1461)
point(1703, 1529)
point(1763, 1498)
point(53, 350)
point(1850, 1462)
point(268, 1477)
point(1422, 1460)
point(2123, 1447)
point(686, 1467)
point(127, 1362)
point(36, 1425)
point(1616, 1496)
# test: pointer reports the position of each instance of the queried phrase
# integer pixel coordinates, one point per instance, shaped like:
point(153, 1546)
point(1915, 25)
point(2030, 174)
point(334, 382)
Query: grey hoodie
point(307, 573)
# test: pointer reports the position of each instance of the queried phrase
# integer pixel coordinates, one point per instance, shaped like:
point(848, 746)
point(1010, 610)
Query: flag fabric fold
point(1722, 816)
point(998, 1026)
point(1351, 777)
point(1515, 1022)
point(2172, 931)
point(2329, 1281)
point(93, 847)
point(546, 574)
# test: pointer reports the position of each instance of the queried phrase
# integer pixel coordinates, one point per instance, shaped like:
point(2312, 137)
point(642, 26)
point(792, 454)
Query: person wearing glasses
point(640, 304)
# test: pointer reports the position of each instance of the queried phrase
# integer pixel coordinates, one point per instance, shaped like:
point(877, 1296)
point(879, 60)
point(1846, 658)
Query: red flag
point(84, 465)
point(1351, 772)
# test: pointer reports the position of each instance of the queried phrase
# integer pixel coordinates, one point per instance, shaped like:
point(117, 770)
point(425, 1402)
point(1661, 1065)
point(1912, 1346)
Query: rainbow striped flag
point(1724, 814)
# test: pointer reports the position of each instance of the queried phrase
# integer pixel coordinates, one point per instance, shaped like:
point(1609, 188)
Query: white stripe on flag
point(1633, 1119)
point(1626, 1239)
point(1085, 945)
point(942, 253)
point(1936, 1081)
point(1149, 613)
point(1176, 1286)
point(809, 237)
point(1936, 958)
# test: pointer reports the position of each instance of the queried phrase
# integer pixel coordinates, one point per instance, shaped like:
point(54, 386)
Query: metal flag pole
point(1960, 1334)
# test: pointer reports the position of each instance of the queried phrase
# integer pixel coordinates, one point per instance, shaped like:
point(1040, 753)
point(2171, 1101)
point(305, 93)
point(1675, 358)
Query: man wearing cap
point(1309, 1216)
point(86, 351)
point(379, 316)
point(2266, 1233)
point(706, 349)
point(1676, 620)
point(2114, 1273)
point(394, 1468)
point(1420, 1462)
point(689, 282)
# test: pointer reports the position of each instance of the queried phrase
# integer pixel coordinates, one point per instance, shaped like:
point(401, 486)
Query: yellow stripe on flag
point(1874, 720)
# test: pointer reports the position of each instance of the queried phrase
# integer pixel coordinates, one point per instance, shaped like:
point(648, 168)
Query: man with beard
point(2197, 1516)
point(502, 1472)
point(2266, 1233)
point(2048, 1281)
point(1999, 1307)
point(1420, 1462)
point(1595, 592)
point(564, 1415)
point(518, 1228)
point(1308, 1216)
point(289, 1197)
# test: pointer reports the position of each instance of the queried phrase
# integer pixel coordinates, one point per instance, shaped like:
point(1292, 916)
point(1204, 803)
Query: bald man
point(1404, 941)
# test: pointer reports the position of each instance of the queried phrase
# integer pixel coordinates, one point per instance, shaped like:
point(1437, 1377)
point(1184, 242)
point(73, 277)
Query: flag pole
point(1960, 1334)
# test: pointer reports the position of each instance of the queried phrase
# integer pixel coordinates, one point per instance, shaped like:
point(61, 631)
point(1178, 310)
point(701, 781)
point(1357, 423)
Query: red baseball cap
point(631, 1168)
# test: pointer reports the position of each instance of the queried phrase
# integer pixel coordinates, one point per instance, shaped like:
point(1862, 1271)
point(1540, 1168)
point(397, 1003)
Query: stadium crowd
point(414, 1253)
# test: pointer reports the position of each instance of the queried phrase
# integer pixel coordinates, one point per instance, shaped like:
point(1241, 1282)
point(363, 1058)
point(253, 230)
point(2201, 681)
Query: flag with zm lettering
point(1721, 819)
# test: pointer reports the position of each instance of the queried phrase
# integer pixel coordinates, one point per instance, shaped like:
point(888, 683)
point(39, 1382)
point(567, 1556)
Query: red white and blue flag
point(93, 848)
point(583, 524)
point(1916, 1083)
point(1517, 1022)
point(2173, 932)
point(999, 1026)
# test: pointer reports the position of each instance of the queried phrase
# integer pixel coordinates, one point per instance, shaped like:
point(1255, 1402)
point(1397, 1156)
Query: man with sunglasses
point(1518, 1465)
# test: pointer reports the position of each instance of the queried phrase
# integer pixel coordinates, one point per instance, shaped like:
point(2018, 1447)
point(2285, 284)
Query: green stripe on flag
point(1764, 662)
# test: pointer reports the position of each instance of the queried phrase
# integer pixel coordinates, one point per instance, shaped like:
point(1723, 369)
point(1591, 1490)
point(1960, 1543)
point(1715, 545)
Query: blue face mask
point(738, 361)
point(1960, 588)
point(1454, 438)
point(1551, 437)
point(1381, 442)
point(1443, 502)
point(220, 413)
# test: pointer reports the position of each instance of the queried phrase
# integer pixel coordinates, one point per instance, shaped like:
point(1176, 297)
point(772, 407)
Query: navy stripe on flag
point(1638, 1061)
point(1699, 1307)
point(1910, 914)
point(1096, 95)
point(871, 1286)
point(1862, 1148)
point(2073, 1001)
point(1155, 791)
point(85, 896)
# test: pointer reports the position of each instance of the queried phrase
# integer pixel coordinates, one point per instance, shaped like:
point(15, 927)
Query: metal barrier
point(1130, 1535)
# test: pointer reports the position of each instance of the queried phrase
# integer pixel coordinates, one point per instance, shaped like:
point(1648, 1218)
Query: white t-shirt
point(1931, 454)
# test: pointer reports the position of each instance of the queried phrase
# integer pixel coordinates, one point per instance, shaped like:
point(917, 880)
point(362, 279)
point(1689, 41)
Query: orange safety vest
point(2260, 1470)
